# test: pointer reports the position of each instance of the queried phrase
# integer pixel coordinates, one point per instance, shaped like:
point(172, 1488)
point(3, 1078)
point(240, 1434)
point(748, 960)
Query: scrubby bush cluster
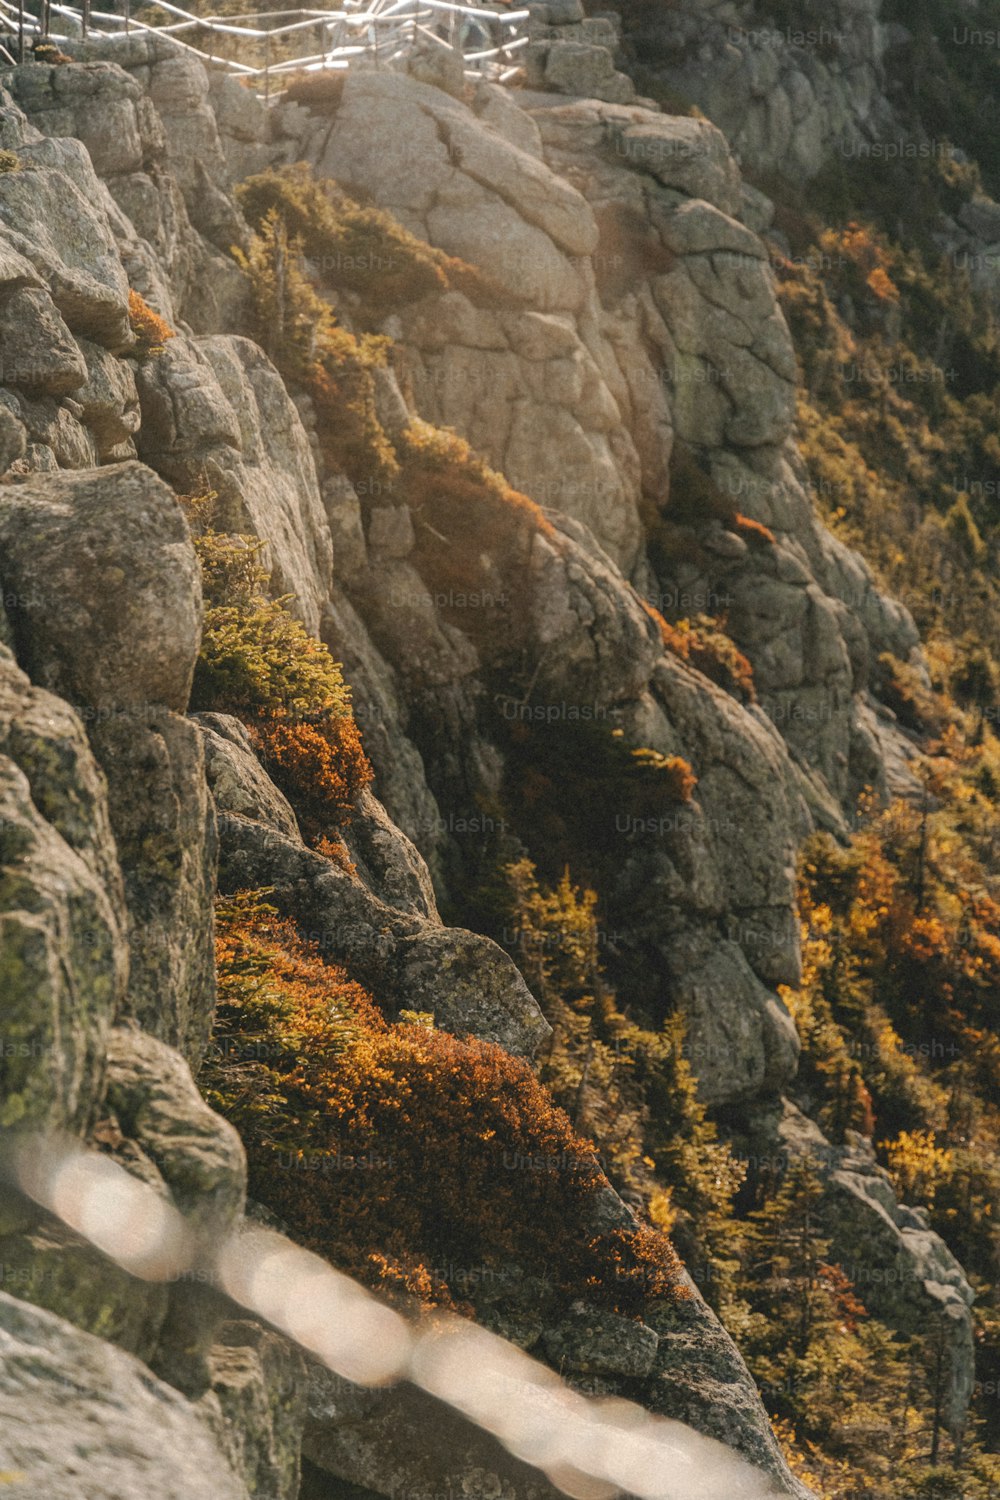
point(898, 1015)
point(400, 1151)
point(298, 330)
point(830, 1374)
point(629, 1088)
point(258, 661)
point(900, 364)
point(312, 242)
point(149, 329)
point(351, 246)
point(703, 642)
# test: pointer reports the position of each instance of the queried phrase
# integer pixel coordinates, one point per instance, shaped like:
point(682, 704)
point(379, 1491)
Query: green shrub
point(256, 657)
point(262, 660)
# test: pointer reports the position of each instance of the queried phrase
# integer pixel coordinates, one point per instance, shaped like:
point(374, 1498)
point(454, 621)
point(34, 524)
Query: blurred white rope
point(591, 1449)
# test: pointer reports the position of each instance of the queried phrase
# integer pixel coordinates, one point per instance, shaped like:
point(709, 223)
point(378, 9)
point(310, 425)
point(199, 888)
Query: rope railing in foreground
point(589, 1448)
point(385, 30)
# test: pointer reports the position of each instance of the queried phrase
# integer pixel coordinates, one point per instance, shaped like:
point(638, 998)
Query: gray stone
point(401, 1441)
point(164, 826)
point(343, 514)
point(236, 778)
point(51, 1267)
point(61, 942)
point(466, 981)
point(39, 353)
point(390, 532)
point(689, 155)
point(13, 439)
point(387, 861)
point(593, 1341)
point(557, 12)
point(60, 1388)
point(789, 99)
point(700, 1378)
point(107, 590)
point(586, 71)
point(756, 209)
point(260, 1383)
point(215, 411)
point(199, 1156)
point(68, 242)
point(441, 67)
point(982, 217)
point(108, 400)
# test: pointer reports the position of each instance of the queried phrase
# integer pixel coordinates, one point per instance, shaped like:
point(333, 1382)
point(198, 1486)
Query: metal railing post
point(20, 31)
point(85, 19)
point(267, 65)
point(126, 16)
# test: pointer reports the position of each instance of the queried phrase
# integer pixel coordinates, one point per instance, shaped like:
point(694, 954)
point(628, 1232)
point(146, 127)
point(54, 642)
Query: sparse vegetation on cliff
point(351, 246)
point(405, 1154)
point(150, 330)
point(259, 662)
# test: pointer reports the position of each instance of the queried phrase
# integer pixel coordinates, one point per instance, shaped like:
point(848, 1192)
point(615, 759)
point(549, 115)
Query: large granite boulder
point(62, 919)
point(106, 589)
point(98, 1422)
point(104, 597)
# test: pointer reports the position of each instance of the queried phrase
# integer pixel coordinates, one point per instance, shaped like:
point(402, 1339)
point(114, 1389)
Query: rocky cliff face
point(633, 362)
point(788, 89)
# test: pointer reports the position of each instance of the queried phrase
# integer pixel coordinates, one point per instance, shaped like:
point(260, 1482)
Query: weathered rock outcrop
point(99, 1419)
point(104, 602)
point(573, 53)
point(662, 325)
point(636, 313)
point(64, 951)
point(216, 415)
point(160, 180)
point(787, 95)
point(398, 946)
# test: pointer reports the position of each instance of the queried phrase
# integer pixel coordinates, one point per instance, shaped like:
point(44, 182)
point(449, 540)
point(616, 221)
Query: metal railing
point(387, 31)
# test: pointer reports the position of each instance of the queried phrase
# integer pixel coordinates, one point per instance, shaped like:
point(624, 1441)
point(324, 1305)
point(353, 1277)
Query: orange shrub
point(336, 851)
point(151, 331)
point(399, 1151)
point(320, 765)
point(672, 638)
point(440, 467)
point(704, 644)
